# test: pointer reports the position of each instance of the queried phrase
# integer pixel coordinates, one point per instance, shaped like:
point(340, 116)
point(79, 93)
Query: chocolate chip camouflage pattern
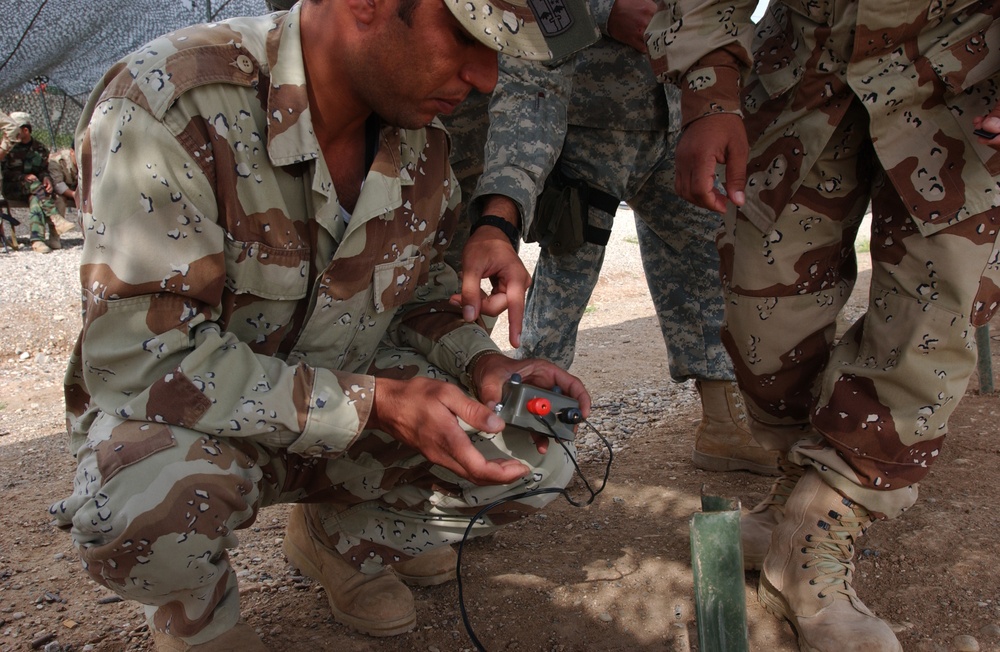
point(835, 122)
point(65, 174)
point(702, 46)
point(605, 118)
point(232, 324)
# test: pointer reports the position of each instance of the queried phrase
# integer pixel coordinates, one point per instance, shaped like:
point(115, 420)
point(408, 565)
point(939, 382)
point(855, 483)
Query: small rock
point(990, 631)
point(965, 643)
point(606, 617)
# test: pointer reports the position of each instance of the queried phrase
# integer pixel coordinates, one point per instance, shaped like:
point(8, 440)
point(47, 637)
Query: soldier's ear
point(363, 10)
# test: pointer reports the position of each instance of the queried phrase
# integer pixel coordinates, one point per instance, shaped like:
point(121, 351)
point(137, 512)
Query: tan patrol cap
point(539, 30)
point(20, 118)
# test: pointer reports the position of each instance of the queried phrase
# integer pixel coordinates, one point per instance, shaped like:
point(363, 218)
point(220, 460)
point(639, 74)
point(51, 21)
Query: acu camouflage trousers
point(869, 410)
point(155, 509)
point(676, 243)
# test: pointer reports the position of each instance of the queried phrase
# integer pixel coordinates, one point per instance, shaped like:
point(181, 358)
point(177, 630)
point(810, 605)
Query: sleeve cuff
point(338, 411)
point(708, 90)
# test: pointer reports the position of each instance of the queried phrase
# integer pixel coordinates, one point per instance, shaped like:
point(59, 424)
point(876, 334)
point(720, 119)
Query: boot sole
point(426, 580)
point(301, 561)
point(723, 464)
point(777, 606)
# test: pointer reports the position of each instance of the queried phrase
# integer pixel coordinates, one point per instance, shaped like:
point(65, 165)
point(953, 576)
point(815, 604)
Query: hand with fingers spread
point(424, 414)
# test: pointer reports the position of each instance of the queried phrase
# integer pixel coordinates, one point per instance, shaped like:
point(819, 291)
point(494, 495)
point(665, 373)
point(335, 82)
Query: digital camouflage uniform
point(31, 158)
point(851, 102)
point(602, 114)
point(64, 173)
point(233, 323)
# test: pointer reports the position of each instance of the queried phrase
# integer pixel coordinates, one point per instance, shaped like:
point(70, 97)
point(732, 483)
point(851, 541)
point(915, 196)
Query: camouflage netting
point(52, 52)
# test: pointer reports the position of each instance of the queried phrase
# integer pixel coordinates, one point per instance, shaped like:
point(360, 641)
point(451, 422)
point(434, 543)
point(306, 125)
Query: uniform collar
point(290, 135)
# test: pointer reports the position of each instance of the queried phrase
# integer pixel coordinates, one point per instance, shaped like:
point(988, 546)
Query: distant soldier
point(8, 136)
point(64, 173)
point(26, 177)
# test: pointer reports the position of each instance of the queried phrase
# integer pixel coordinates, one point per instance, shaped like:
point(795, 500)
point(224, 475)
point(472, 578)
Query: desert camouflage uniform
point(602, 114)
point(851, 102)
point(233, 323)
point(467, 126)
point(24, 159)
point(8, 136)
point(64, 173)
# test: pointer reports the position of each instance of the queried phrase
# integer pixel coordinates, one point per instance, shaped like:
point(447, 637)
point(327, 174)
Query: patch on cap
point(539, 30)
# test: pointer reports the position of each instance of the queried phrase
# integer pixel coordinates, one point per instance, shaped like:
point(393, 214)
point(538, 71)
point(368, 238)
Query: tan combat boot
point(61, 224)
point(376, 604)
point(757, 525)
point(53, 240)
point(808, 570)
point(723, 441)
point(240, 638)
point(436, 566)
point(39, 247)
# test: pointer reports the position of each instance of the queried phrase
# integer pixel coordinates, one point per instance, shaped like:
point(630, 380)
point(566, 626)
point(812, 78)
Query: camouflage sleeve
point(527, 129)
point(8, 133)
point(154, 271)
point(703, 46)
point(429, 323)
point(58, 175)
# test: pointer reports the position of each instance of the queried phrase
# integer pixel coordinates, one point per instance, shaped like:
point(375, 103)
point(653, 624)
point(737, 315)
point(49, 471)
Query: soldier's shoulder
point(231, 52)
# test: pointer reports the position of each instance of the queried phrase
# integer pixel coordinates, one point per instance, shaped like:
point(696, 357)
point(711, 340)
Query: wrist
point(470, 367)
point(509, 229)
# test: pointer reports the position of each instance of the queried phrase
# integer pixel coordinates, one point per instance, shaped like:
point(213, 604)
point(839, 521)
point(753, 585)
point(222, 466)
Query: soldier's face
point(423, 68)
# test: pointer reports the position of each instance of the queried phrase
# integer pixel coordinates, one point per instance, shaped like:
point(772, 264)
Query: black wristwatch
point(509, 230)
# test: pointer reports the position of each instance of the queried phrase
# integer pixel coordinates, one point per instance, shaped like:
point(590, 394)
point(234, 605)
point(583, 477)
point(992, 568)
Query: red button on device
point(539, 406)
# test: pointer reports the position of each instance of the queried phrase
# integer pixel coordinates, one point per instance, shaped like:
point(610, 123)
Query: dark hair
point(406, 9)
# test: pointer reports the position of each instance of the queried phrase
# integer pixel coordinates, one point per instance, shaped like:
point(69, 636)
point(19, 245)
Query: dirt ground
point(614, 575)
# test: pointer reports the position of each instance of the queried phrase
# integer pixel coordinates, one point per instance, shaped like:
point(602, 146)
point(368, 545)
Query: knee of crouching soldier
point(555, 471)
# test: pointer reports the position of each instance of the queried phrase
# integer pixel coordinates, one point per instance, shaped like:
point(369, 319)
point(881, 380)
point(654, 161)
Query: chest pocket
point(395, 283)
point(265, 271)
point(777, 62)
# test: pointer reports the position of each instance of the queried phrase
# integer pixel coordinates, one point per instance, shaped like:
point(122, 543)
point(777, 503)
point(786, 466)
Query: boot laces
point(832, 554)
point(782, 487)
point(741, 416)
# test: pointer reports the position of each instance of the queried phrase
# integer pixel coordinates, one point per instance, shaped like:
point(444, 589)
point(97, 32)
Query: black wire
point(24, 34)
point(527, 494)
